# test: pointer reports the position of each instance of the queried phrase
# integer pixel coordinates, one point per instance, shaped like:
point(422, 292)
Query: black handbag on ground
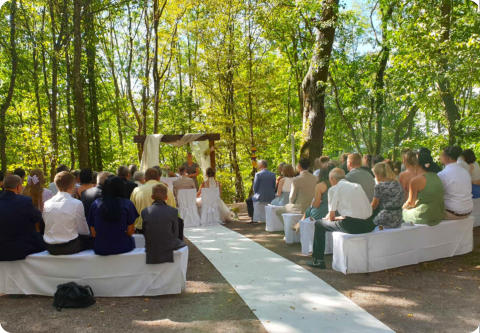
point(71, 295)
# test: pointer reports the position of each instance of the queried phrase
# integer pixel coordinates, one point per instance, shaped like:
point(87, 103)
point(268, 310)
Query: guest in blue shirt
point(19, 221)
point(264, 184)
point(111, 220)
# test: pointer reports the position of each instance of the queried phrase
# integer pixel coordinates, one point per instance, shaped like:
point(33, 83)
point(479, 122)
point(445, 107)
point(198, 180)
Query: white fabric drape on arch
point(151, 148)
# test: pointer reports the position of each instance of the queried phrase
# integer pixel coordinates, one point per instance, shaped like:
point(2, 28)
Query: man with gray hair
point(89, 196)
point(349, 211)
point(19, 222)
point(139, 178)
point(263, 191)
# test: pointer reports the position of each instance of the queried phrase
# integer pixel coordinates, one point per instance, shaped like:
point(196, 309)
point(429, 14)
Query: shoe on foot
point(317, 263)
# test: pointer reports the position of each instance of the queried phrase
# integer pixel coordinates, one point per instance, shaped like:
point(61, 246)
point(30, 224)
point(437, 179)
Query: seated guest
point(457, 185)
point(18, 222)
point(388, 197)
point(66, 229)
point(52, 187)
point(184, 182)
point(284, 186)
point(132, 168)
point(2, 176)
point(468, 161)
point(319, 206)
point(410, 161)
point(111, 220)
point(85, 177)
point(425, 152)
point(280, 174)
point(320, 163)
point(161, 228)
point(367, 163)
point(349, 211)
point(263, 186)
point(142, 195)
point(124, 174)
point(425, 203)
point(139, 178)
point(20, 173)
point(35, 189)
point(360, 176)
point(89, 196)
point(397, 169)
point(377, 159)
point(303, 190)
point(211, 182)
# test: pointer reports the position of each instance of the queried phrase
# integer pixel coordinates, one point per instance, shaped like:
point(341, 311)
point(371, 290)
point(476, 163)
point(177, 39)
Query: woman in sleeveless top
point(226, 214)
point(319, 208)
point(284, 186)
point(425, 203)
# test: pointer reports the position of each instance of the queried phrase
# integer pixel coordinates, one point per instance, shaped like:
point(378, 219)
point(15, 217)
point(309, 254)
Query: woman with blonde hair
point(284, 186)
point(388, 197)
point(412, 169)
point(36, 190)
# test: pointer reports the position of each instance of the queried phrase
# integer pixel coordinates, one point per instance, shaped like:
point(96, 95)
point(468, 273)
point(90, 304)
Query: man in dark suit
point(124, 173)
point(161, 228)
point(89, 196)
point(18, 222)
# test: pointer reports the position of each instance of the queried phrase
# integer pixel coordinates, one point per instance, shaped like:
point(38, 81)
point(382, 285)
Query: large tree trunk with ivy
point(451, 108)
point(79, 107)
point(315, 82)
point(11, 86)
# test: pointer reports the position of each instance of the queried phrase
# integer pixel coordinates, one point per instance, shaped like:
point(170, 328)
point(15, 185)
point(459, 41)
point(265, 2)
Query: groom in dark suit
point(161, 227)
point(19, 221)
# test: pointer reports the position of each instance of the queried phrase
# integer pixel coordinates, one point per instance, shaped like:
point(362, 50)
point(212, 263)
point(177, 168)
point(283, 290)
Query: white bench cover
point(273, 221)
point(408, 245)
point(119, 275)
point(289, 221)
point(307, 233)
point(259, 211)
point(476, 212)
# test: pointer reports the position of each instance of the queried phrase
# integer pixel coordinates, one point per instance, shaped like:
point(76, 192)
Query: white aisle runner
point(285, 297)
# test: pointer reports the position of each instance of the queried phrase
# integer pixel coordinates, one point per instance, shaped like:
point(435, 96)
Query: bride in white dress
point(226, 214)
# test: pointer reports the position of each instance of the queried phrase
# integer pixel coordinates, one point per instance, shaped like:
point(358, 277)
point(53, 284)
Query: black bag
point(71, 295)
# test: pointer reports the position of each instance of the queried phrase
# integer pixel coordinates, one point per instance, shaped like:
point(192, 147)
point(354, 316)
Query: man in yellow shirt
point(142, 195)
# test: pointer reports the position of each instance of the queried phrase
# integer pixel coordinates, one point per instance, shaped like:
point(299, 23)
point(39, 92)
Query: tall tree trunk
point(79, 106)
point(146, 77)
point(91, 50)
point(11, 85)
point(315, 82)
point(379, 86)
point(403, 130)
point(71, 138)
point(451, 108)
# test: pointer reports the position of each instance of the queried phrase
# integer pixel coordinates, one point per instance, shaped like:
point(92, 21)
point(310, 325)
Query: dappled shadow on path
point(440, 296)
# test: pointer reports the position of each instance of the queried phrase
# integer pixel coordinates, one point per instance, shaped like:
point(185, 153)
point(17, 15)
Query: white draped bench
point(307, 233)
point(476, 212)
point(120, 275)
point(273, 221)
point(408, 245)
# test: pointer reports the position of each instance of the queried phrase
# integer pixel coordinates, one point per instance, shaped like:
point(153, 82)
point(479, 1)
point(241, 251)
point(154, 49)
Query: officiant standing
point(192, 169)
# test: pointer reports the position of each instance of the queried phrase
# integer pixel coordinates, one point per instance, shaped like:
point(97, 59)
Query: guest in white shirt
point(349, 211)
point(52, 187)
point(457, 184)
point(66, 229)
point(468, 161)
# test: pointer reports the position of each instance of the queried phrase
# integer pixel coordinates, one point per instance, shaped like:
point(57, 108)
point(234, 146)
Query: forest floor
point(209, 305)
point(439, 296)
